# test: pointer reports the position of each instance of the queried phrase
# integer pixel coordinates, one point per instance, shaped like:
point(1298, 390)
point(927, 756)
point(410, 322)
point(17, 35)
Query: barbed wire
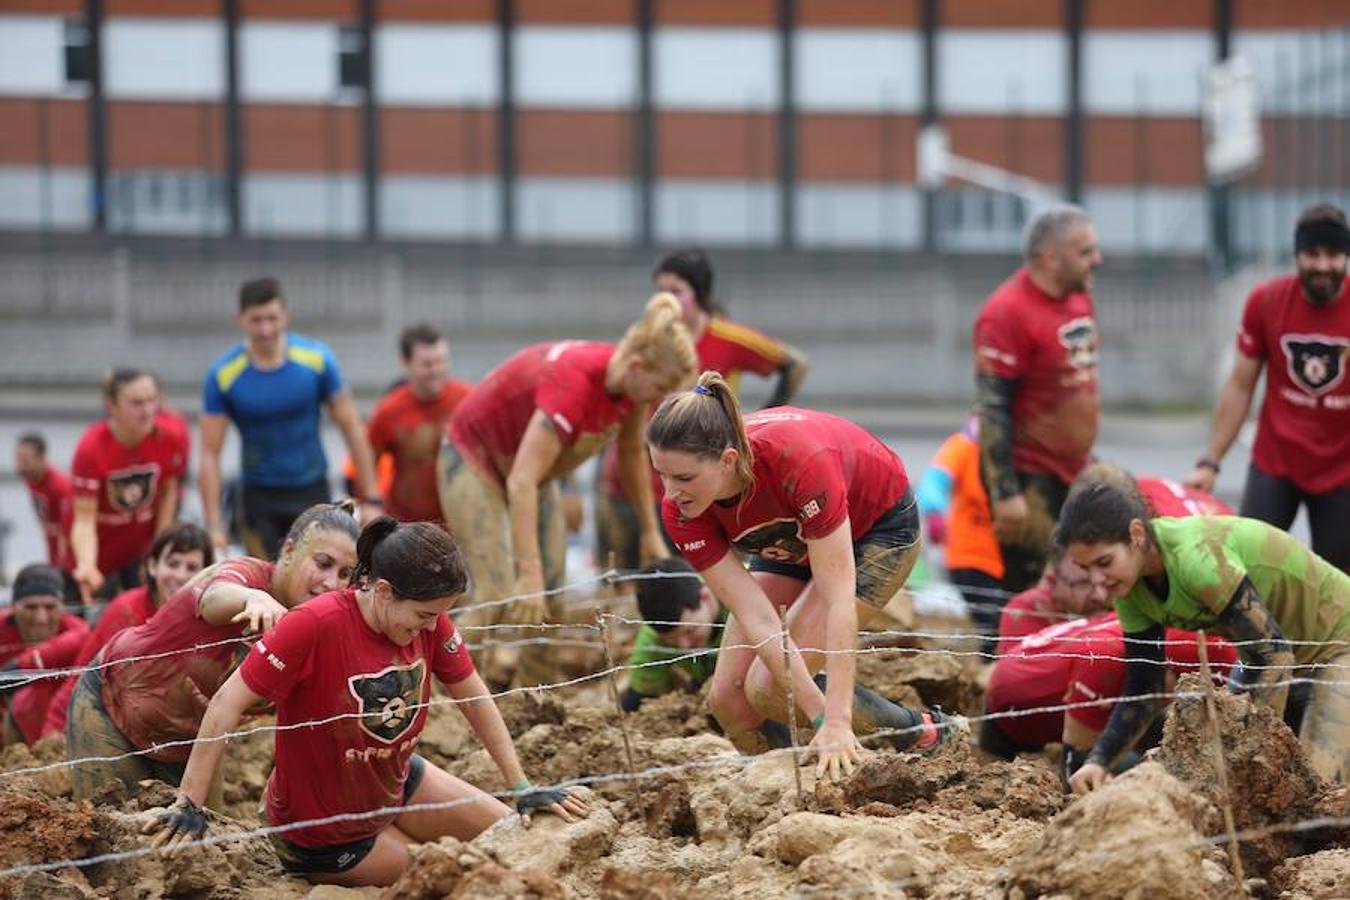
point(725, 759)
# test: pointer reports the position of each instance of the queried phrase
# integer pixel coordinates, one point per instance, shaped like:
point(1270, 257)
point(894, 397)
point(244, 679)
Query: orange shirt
point(409, 430)
point(971, 543)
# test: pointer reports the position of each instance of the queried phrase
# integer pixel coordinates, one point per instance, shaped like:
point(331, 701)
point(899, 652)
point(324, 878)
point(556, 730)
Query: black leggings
point(1276, 500)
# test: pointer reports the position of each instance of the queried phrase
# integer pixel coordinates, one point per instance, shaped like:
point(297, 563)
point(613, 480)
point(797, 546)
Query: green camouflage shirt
point(1206, 558)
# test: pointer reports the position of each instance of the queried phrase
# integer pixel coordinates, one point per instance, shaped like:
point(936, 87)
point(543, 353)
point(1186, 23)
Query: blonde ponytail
point(704, 422)
point(662, 341)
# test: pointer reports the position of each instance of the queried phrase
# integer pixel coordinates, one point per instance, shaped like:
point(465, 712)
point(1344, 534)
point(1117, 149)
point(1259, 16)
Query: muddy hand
point(177, 826)
point(1090, 777)
point(837, 749)
point(261, 612)
point(555, 800)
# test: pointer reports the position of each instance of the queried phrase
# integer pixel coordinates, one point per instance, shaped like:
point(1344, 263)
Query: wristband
point(522, 785)
point(1205, 462)
point(818, 721)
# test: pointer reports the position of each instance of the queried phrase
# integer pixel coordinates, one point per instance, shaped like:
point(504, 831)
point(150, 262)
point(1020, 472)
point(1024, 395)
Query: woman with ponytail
point(723, 346)
point(825, 513)
point(149, 686)
point(534, 418)
point(354, 668)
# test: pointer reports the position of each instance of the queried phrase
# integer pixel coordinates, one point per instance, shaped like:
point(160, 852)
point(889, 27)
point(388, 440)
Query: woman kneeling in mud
point(825, 513)
point(135, 711)
point(357, 664)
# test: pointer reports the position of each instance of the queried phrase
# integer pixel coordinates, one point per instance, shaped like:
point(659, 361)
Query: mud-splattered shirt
point(1206, 558)
point(1049, 347)
point(812, 470)
point(163, 698)
point(1304, 431)
point(324, 662)
point(1169, 498)
point(565, 381)
point(1078, 662)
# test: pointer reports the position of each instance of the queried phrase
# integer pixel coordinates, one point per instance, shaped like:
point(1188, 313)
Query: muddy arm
point(1265, 651)
point(996, 454)
point(1131, 717)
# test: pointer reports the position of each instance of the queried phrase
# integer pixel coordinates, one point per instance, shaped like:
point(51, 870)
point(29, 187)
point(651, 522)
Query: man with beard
point(1300, 324)
point(1036, 350)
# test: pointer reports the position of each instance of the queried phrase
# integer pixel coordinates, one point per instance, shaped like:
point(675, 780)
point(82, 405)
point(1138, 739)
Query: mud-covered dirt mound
point(1318, 876)
point(35, 830)
point(913, 676)
point(954, 778)
point(1269, 778)
point(1141, 835)
point(452, 870)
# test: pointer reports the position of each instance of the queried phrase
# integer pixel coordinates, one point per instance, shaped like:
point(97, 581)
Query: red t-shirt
point(566, 380)
point(726, 348)
point(1304, 431)
point(409, 430)
point(28, 705)
point(54, 502)
point(127, 610)
point(811, 470)
point(1049, 347)
point(1027, 613)
point(126, 481)
point(1075, 662)
point(1169, 498)
point(163, 699)
point(321, 661)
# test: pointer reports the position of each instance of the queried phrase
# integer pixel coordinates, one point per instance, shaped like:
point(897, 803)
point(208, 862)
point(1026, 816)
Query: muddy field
point(714, 824)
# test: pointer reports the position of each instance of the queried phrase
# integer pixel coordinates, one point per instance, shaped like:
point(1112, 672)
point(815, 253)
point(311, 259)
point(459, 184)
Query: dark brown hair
point(418, 559)
point(415, 335)
point(115, 379)
point(180, 537)
point(258, 292)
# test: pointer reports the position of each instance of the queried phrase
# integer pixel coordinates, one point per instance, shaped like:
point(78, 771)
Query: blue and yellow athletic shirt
point(276, 410)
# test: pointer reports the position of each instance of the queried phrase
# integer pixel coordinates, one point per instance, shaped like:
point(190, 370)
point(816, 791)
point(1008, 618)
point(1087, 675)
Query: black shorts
point(269, 511)
point(300, 860)
point(883, 557)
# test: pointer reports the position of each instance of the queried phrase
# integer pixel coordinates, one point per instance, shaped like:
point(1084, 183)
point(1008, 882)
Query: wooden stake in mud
point(602, 619)
point(792, 713)
point(1220, 764)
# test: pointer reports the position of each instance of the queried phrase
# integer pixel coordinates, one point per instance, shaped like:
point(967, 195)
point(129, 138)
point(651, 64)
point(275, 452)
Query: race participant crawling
point(407, 423)
point(151, 683)
point(126, 472)
point(36, 634)
point(1245, 579)
point(723, 346)
point(1063, 591)
point(1060, 595)
point(1081, 661)
point(52, 495)
point(1036, 346)
point(178, 553)
point(358, 663)
point(663, 652)
point(1300, 325)
point(533, 419)
point(825, 513)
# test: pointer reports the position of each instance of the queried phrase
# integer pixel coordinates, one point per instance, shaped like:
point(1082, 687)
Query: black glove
point(184, 817)
point(535, 799)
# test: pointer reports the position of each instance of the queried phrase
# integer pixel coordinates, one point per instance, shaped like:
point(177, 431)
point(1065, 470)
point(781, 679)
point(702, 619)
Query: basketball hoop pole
point(937, 164)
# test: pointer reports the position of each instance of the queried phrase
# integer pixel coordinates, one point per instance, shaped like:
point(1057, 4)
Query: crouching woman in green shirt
point(1286, 608)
